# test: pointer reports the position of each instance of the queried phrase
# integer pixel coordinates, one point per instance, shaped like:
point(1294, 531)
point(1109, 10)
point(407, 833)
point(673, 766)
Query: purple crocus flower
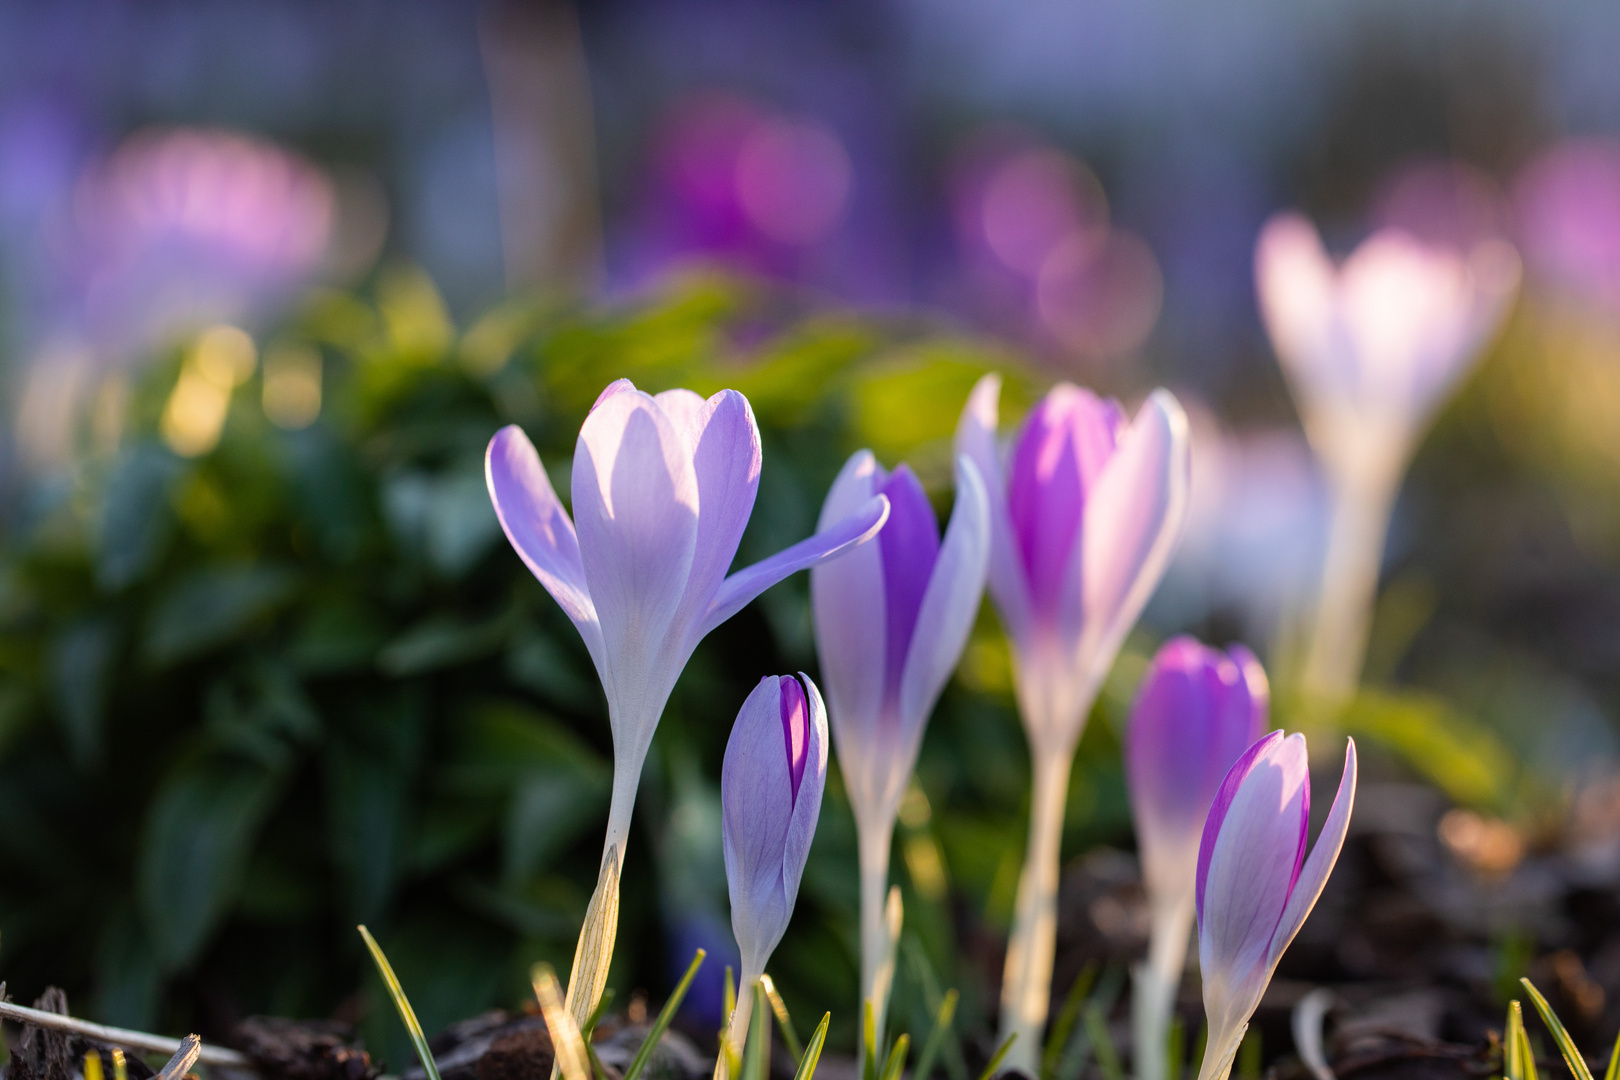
point(1084, 516)
point(770, 797)
point(1197, 711)
point(891, 621)
point(1255, 885)
point(662, 489)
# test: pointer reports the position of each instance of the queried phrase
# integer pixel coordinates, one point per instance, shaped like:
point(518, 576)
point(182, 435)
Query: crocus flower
point(1085, 511)
point(1197, 711)
point(1255, 885)
point(662, 489)
point(891, 620)
point(770, 796)
point(1370, 349)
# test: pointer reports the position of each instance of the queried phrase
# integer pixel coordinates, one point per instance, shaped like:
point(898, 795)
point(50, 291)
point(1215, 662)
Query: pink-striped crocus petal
point(722, 440)
point(538, 527)
point(807, 804)
point(756, 806)
point(1134, 518)
point(846, 599)
point(976, 441)
point(749, 582)
point(950, 605)
point(1298, 289)
point(1313, 876)
point(1248, 865)
point(635, 507)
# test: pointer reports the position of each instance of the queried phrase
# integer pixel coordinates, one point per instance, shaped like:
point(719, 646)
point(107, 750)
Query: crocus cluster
point(1197, 711)
point(1255, 885)
point(770, 794)
point(1370, 347)
point(1085, 511)
point(891, 621)
point(662, 489)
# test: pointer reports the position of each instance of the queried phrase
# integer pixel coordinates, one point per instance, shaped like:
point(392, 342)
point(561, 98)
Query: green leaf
point(869, 1046)
point(897, 1059)
point(1058, 1039)
point(757, 1053)
point(1102, 1044)
point(936, 1037)
point(1462, 757)
point(812, 1053)
point(442, 641)
point(402, 1004)
point(995, 1059)
point(370, 767)
point(81, 663)
point(1517, 1060)
point(209, 607)
point(1613, 1072)
point(135, 515)
point(660, 1025)
point(194, 851)
point(1572, 1055)
point(784, 1022)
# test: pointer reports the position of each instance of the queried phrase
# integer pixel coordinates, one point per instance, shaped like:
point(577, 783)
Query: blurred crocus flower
point(770, 794)
point(891, 620)
point(1370, 348)
point(1568, 202)
point(662, 489)
point(1197, 711)
point(1255, 884)
point(1085, 511)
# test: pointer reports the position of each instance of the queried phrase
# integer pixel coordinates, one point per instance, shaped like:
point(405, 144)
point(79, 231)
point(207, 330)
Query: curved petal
point(1133, 521)
point(726, 458)
point(1298, 289)
point(801, 828)
point(756, 805)
point(976, 440)
point(1248, 872)
point(636, 507)
point(1313, 876)
point(538, 527)
point(950, 604)
point(846, 602)
point(750, 581)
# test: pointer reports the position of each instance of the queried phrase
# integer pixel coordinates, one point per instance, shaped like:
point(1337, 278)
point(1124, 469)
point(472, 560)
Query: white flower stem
point(1220, 1051)
point(1363, 494)
point(737, 1029)
point(1026, 986)
point(877, 952)
point(1155, 985)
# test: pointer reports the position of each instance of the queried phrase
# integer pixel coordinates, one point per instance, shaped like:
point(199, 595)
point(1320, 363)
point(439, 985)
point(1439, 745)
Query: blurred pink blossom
point(1568, 202)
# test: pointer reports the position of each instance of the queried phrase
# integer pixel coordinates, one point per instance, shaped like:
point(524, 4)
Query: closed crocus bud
point(891, 620)
point(1085, 512)
point(770, 796)
point(1198, 709)
point(1255, 885)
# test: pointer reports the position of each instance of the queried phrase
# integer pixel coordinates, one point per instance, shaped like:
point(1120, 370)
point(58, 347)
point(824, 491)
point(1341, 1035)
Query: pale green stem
point(1156, 982)
point(1220, 1051)
point(1027, 980)
point(737, 1030)
point(1363, 494)
point(877, 952)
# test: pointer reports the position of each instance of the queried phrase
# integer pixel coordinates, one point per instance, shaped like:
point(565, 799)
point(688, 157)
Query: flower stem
point(877, 953)
point(1363, 497)
point(1155, 985)
point(737, 1029)
point(1026, 985)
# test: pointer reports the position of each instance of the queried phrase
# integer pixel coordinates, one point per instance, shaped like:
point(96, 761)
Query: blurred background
point(271, 273)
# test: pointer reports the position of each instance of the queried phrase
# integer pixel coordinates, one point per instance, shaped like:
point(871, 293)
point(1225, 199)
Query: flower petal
point(750, 581)
point(636, 507)
point(807, 804)
point(950, 604)
point(1134, 518)
point(976, 440)
point(756, 806)
point(726, 458)
point(909, 542)
point(1247, 873)
point(1313, 876)
point(847, 602)
point(538, 527)
point(1298, 288)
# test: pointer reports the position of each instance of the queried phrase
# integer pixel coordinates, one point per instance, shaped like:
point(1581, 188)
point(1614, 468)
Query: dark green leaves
point(209, 607)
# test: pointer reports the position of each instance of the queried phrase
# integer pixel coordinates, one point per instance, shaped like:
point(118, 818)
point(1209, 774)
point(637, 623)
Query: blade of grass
point(665, 1015)
point(120, 1070)
point(868, 1043)
point(597, 1070)
point(1612, 1074)
point(936, 1037)
point(1101, 1044)
point(897, 1059)
point(1064, 1024)
point(1248, 1055)
point(784, 1023)
point(1175, 1048)
point(571, 1058)
point(812, 1053)
point(1074, 1059)
point(593, 954)
point(1572, 1055)
point(401, 1004)
point(756, 1061)
point(92, 1065)
point(933, 999)
point(995, 1058)
point(596, 1015)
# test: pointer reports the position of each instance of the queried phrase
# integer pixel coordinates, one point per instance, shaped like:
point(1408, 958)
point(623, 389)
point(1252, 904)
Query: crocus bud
point(891, 619)
point(1255, 885)
point(770, 797)
point(1197, 711)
